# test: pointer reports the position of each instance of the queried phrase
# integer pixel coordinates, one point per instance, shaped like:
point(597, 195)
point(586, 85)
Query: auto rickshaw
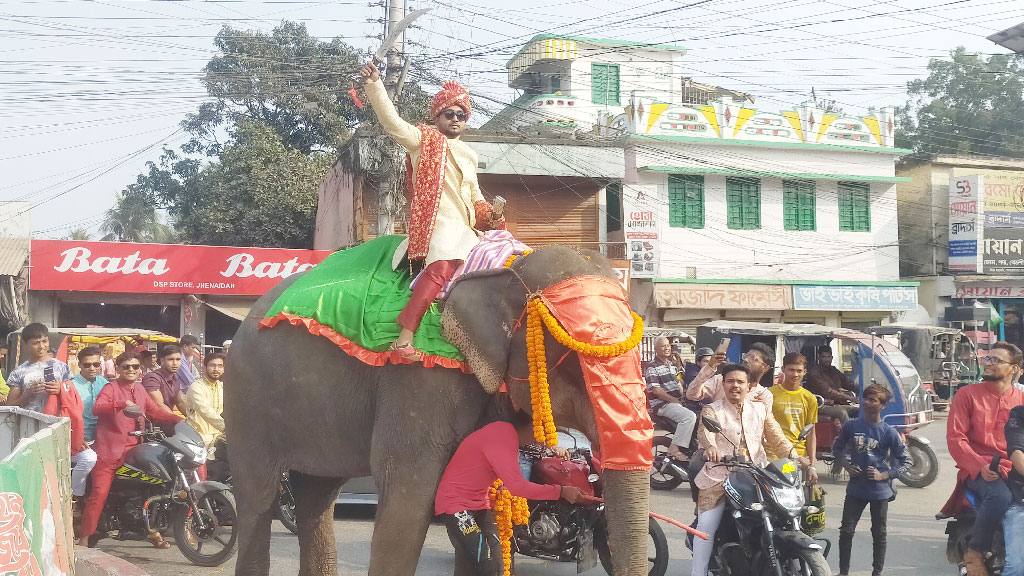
point(871, 359)
point(66, 342)
point(944, 357)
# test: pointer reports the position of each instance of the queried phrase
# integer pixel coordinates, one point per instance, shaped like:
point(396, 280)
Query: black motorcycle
point(760, 532)
point(566, 532)
point(960, 528)
point(667, 473)
point(158, 489)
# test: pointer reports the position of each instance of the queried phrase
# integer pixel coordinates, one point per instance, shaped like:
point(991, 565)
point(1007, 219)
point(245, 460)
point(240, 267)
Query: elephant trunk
point(626, 508)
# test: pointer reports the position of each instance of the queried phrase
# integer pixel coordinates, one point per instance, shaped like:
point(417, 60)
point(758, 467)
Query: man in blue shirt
point(35, 379)
point(187, 371)
point(88, 382)
point(873, 454)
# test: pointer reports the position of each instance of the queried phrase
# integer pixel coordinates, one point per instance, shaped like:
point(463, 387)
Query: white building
point(726, 210)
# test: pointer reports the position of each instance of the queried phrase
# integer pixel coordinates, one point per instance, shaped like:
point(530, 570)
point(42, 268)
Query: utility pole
point(389, 198)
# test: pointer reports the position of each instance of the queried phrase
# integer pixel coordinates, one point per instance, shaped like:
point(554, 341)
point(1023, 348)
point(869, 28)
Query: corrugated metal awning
point(232, 307)
point(13, 254)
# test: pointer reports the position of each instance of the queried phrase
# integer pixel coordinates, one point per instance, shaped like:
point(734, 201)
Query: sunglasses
point(131, 367)
point(452, 114)
point(91, 364)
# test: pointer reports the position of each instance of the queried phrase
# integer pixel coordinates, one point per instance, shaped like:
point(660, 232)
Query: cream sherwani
point(453, 236)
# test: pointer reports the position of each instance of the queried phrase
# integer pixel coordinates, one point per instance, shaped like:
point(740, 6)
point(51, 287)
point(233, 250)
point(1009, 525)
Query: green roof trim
point(788, 282)
point(804, 145)
point(595, 41)
point(765, 174)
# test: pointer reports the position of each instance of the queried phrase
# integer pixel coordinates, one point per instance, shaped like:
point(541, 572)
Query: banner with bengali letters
point(832, 297)
point(966, 223)
point(1003, 251)
point(640, 229)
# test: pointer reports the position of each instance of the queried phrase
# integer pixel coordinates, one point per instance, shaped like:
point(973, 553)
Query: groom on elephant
point(446, 200)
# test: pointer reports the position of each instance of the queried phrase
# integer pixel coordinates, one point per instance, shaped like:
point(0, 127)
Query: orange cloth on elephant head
point(595, 310)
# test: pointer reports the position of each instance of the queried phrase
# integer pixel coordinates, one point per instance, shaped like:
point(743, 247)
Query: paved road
point(916, 539)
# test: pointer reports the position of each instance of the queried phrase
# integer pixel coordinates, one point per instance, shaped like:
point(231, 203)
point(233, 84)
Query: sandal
point(158, 541)
point(407, 352)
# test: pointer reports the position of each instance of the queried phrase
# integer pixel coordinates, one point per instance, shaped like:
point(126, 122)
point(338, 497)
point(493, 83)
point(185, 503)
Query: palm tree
point(80, 234)
point(134, 218)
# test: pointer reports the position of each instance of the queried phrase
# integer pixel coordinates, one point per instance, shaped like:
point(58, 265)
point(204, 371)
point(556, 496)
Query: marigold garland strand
point(508, 510)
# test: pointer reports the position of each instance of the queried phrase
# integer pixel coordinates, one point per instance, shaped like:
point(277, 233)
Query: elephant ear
point(479, 317)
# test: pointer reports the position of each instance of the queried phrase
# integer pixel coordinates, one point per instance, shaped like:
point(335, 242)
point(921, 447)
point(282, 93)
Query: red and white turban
point(452, 94)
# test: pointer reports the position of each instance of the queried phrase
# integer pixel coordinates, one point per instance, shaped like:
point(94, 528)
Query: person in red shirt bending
point(462, 502)
point(974, 433)
point(119, 409)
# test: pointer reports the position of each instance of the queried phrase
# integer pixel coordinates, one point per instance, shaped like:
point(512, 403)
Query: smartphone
point(498, 205)
point(723, 346)
point(48, 374)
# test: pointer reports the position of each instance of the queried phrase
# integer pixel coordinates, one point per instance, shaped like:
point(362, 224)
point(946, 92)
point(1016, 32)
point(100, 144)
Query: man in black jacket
point(1013, 522)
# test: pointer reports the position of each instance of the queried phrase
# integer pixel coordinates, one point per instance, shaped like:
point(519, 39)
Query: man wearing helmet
point(446, 200)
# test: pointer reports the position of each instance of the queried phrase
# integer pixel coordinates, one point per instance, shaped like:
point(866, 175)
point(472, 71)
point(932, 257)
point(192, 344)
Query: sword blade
point(393, 34)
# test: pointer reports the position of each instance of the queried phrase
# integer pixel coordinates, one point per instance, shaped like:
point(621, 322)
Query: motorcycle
point(158, 489)
point(760, 532)
point(666, 473)
point(960, 528)
point(564, 532)
point(284, 506)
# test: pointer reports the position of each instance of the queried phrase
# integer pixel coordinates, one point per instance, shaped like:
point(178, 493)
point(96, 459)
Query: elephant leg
point(254, 497)
point(314, 515)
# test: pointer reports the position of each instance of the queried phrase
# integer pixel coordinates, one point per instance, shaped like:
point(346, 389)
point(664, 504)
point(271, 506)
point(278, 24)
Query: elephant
point(294, 401)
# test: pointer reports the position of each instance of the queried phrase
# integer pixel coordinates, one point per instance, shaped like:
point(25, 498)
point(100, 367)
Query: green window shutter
point(613, 202)
point(798, 205)
point(604, 84)
point(854, 207)
point(743, 203)
point(685, 201)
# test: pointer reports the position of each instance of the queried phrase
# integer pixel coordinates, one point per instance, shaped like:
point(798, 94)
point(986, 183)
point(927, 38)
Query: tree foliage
point(967, 105)
point(279, 113)
point(134, 218)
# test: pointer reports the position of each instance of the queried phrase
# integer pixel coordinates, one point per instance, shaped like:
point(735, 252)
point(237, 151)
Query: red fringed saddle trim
point(356, 351)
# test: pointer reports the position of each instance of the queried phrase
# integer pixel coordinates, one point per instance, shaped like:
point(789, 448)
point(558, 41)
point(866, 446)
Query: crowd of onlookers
point(111, 397)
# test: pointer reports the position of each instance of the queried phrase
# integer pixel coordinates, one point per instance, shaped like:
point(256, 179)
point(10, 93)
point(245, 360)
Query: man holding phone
point(38, 377)
point(707, 386)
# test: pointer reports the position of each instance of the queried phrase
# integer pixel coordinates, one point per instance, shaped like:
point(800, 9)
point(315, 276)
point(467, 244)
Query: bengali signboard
point(640, 229)
point(1003, 251)
point(966, 208)
point(723, 296)
point(989, 290)
point(163, 268)
point(875, 298)
point(1002, 193)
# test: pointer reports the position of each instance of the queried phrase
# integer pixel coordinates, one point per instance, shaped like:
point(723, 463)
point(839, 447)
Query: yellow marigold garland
point(598, 351)
point(543, 422)
point(508, 510)
point(512, 258)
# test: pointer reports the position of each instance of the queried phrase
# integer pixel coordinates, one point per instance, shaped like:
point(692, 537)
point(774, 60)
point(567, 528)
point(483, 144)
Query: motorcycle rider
point(665, 398)
point(1013, 521)
point(707, 386)
point(701, 359)
point(974, 434)
point(746, 428)
point(120, 408)
point(462, 500)
point(827, 381)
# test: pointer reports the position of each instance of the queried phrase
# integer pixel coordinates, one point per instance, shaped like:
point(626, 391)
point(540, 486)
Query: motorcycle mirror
point(806, 431)
point(710, 424)
point(820, 399)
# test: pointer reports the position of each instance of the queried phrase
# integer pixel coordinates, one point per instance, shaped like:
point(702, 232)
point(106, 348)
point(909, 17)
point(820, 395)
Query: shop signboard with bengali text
point(850, 298)
point(966, 223)
point(163, 268)
point(1003, 195)
point(640, 229)
point(1003, 251)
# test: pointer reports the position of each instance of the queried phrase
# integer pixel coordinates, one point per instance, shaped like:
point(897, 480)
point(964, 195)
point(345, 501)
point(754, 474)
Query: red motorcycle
point(566, 532)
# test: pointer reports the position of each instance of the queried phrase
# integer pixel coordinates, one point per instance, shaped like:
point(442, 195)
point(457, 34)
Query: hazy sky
point(91, 90)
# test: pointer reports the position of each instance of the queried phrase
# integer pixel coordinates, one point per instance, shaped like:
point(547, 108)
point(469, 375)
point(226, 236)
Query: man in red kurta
point(974, 434)
point(119, 409)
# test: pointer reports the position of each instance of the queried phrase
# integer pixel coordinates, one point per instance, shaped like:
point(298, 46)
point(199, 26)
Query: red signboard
point(163, 268)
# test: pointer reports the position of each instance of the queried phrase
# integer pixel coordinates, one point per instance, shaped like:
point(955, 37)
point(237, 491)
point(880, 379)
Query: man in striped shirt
point(665, 397)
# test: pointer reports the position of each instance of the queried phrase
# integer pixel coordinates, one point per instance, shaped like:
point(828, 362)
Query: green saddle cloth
point(355, 293)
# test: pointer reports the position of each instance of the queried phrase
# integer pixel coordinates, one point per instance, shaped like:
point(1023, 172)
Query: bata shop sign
point(163, 268)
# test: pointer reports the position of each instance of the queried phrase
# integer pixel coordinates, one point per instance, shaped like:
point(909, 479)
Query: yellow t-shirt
point(793, 411)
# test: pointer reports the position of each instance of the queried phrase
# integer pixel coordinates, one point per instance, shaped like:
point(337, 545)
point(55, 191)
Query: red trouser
point(102, 476)
point(428, 284)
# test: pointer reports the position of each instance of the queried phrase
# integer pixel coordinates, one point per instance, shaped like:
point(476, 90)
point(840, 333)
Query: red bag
point(565, 473)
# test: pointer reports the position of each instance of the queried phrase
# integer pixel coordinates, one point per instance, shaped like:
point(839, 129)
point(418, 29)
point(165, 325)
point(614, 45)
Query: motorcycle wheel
point(662, 480)
point(657, 545)
point(219, 537)
point(284, 506)
point(805, 563)
point(925, 464)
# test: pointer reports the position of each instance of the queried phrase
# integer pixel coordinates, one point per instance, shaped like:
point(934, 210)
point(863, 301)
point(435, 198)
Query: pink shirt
point(486, 455)
point(974, 429)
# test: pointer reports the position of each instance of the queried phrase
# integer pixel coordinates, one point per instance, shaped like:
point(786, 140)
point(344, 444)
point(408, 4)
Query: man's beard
point(990, 378)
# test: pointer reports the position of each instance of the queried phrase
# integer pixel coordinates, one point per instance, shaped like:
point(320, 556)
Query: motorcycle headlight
point(792, 499)
point(198, 453)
